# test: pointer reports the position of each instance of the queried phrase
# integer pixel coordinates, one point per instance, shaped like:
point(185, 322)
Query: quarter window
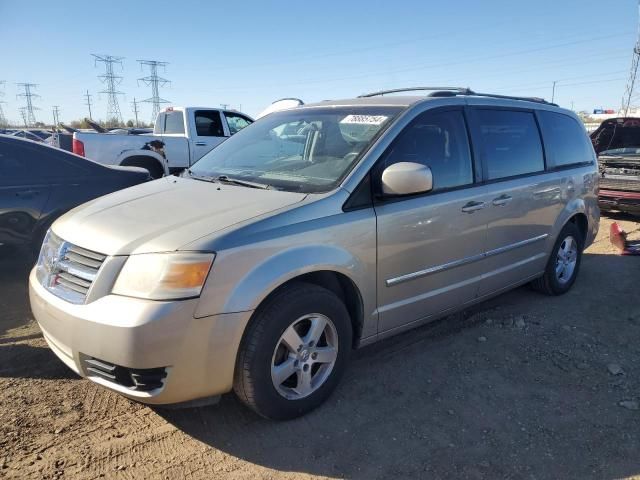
point(566, 140)
point(439, 141)
point(511, 143)
point(208, 123)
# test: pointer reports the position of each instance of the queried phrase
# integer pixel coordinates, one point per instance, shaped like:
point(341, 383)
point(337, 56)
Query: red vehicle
point(617, 143)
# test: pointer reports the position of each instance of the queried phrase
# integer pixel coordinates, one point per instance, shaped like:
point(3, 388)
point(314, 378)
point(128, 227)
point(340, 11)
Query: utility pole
point(135, 111)
point(224, 106)
point(28, 95)
point(3, 119)
point(633, 73)
point(553, 91)
point(155, 82)
point(88, 103)
point(56, 116)
point(111, 81)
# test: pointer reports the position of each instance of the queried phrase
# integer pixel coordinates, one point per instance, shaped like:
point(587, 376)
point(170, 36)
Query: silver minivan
point(311, 232)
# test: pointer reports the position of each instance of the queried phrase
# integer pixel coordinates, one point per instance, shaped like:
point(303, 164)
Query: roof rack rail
point(511, 97)
point(459, 90)
point(452, 91)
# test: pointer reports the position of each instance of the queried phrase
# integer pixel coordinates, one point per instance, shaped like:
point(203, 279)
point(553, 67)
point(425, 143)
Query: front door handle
point(201, 144)
point(473, 206)
point(502, 200)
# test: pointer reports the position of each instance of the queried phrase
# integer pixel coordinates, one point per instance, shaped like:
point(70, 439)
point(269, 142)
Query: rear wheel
point(152, 166)
point(294, 352)
point(564, 263)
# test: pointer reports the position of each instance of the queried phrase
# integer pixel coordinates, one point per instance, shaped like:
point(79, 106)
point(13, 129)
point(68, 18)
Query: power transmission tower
point(23, 114)
point(3, 119)
point(631, 83)
point(29, 96)
point(56, 116)
point(155, 82)
point(111, 81)
point(135, 111)
point(88, 103)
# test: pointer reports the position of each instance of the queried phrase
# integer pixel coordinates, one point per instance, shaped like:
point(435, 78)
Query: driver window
point(439, 141)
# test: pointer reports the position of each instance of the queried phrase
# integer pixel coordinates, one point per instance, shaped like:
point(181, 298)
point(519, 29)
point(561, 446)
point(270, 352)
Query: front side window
point(566, 140)
point(236, 122)
point(208, 123)
point(511, 143)
point(304, 150)
point(174, 123)
point(439, 141)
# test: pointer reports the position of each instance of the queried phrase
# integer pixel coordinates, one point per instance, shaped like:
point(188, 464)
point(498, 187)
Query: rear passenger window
point(511, 143)
point(208, 123)
point(174, 122)
point(439, 141)
point(566, 140)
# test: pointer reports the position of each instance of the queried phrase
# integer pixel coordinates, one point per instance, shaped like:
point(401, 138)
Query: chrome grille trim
point(66, 270)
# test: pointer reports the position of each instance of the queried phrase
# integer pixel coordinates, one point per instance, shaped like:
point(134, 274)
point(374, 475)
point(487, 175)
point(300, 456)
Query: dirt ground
point(525, 386)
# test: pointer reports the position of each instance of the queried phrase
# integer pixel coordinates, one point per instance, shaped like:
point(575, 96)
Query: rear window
point(511, 143)
point(566, 140)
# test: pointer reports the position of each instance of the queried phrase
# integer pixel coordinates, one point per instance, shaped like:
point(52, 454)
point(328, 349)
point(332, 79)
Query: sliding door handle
point(473, 206)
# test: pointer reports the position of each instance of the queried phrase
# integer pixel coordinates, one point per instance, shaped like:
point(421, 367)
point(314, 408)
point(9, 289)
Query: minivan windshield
point(307, 150)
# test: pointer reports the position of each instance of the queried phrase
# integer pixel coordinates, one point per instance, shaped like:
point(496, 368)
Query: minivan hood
point(164, 215)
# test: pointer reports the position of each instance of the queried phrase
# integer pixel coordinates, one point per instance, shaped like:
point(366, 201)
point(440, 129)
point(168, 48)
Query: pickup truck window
point(299, 150)
point(208, 123)
point(174, 123)
point(236, 122)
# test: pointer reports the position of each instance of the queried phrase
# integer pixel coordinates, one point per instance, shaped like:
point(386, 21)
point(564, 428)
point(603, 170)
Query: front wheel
point(294, 352)
point(564, 263)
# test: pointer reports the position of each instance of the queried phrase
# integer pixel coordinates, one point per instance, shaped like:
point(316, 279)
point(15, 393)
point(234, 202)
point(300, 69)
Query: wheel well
point(580, 220)
point(342, 287)
point(155, 168)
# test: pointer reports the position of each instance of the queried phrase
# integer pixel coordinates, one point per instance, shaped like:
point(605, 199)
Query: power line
point(88, 103)
point(28, 95)
point(155, 82)
point(633, 73)
point(111, 80)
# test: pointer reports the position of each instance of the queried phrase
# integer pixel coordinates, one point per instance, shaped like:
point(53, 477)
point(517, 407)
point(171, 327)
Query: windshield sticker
point(364, 119)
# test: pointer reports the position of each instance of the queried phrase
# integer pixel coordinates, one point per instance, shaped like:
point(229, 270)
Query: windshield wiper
point(243, 183)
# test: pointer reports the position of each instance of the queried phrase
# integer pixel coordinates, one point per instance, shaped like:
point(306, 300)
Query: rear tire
point(294, 352)
point(152, 166)
point(564, 263)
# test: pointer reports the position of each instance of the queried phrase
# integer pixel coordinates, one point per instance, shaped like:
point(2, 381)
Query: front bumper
point(198, 354)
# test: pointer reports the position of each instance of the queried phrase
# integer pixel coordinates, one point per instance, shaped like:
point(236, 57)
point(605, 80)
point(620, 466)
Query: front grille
point(66, 270)
point(138, 379)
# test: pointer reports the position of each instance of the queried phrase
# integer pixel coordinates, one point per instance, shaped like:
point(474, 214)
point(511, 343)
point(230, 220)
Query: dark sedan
point(38, 183)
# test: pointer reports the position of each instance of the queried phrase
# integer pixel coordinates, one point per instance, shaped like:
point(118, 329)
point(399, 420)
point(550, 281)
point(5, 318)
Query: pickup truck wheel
point(564, 263)
point(294, 352)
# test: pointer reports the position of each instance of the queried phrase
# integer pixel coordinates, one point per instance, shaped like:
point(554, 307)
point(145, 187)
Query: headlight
point(164, 276)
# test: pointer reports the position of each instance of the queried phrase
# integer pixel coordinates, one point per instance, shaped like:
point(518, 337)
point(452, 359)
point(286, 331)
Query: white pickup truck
point(181, 136)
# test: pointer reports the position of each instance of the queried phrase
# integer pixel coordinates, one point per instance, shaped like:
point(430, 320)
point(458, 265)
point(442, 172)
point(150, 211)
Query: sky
point(249, 53)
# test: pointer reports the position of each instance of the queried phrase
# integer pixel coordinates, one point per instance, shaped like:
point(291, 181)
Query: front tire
point(564, 263)
point(294, 352)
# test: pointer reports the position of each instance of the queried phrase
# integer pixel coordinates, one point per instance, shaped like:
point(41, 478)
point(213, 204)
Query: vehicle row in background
point(180, 137)
point(617, 143)
point(38, 183)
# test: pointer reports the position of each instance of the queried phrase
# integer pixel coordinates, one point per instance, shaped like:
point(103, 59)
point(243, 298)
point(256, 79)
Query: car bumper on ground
point(619, 200)
point(150, 351)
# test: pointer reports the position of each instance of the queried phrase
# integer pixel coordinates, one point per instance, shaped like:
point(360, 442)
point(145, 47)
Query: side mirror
point(405, 178)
